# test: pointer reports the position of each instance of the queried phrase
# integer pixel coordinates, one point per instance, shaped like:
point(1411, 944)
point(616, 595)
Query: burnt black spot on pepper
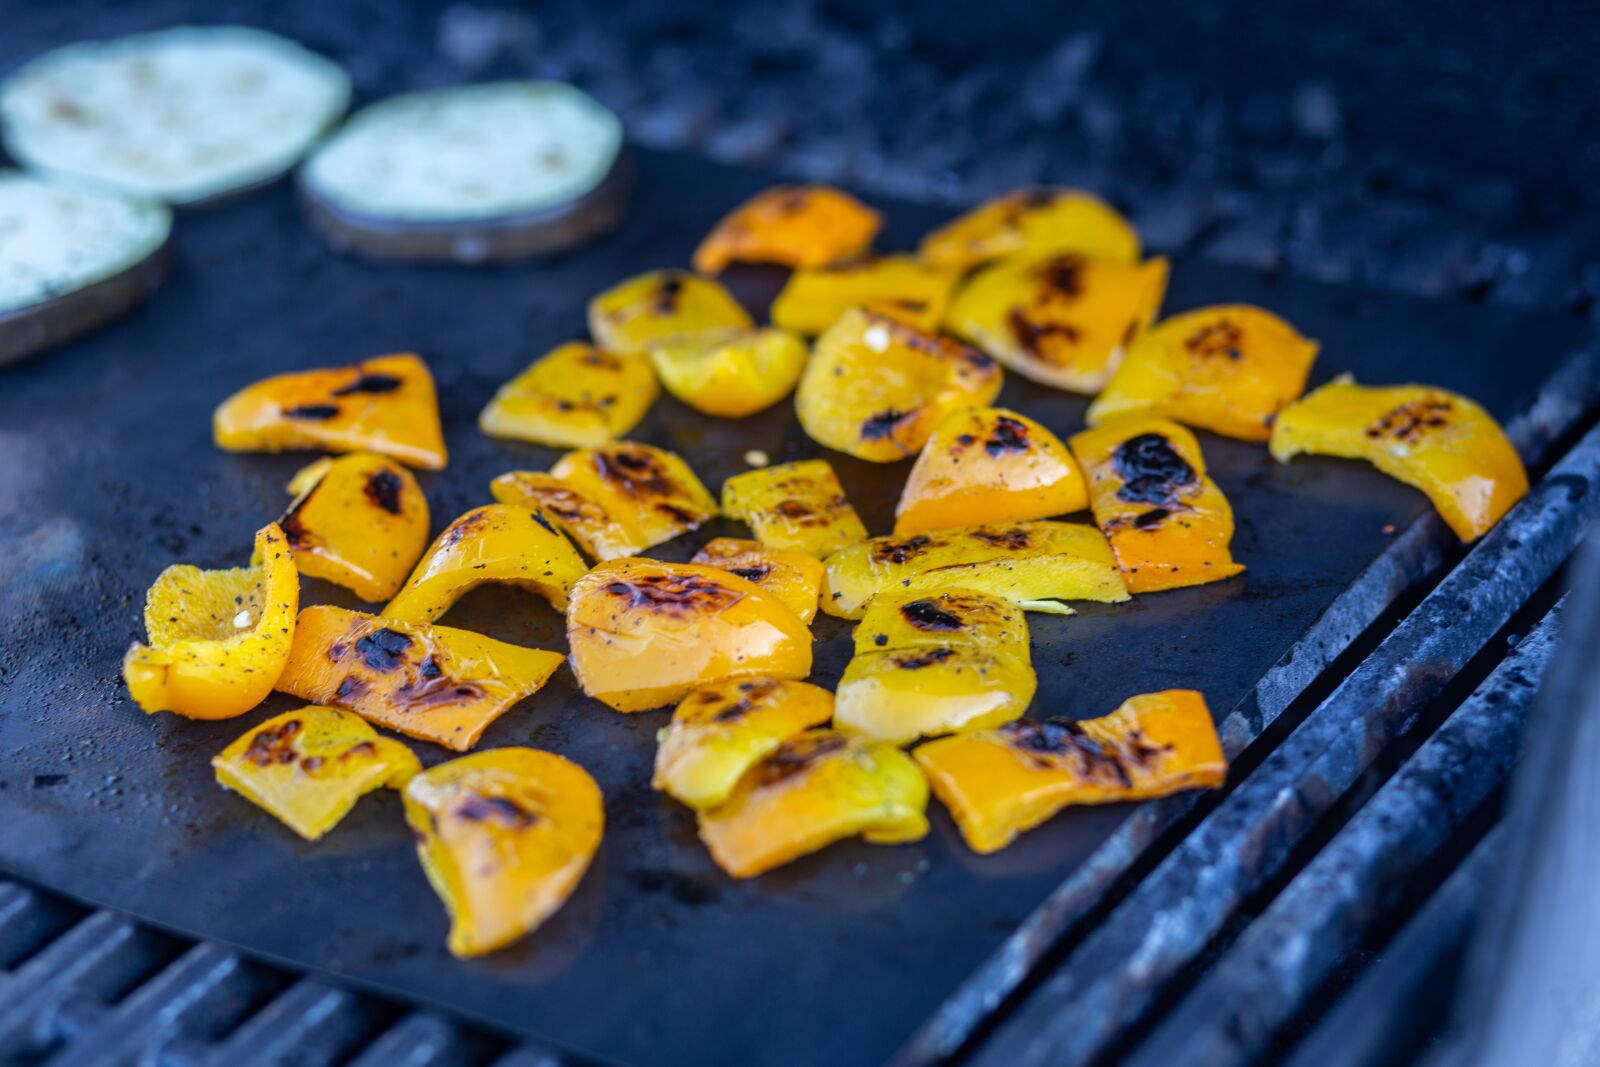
point(1013, 540)
point(901, 551)
point(915, 661)
point(1009, 435)
point(753, 691)
point(881, 425)
point(1151, 470)
point(538, 517)
point(351, 687)
point(371, 383)
point(1033, 337)
point(880, 639)
point(794, 756)
point(383, 488)
point(1153, 517)
point(274, 744)
point(293, 526)
point(635, 471)
point(503, 810)
point(430, 668)
point(312, 412)
point(1411, 420)
point(1062, 275)
point(667, 294)
point(674, 593)
point(383, 650)
point(965, 440)
point(1217, 339)
point(927, 615)
point(681, 516)
point(751, 574)
point(360, 748)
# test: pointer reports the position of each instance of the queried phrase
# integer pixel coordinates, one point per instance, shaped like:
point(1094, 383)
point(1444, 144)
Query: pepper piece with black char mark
point(904, 286)
point(793, 225)
point(794, 506)
point(793, 577)
point(659, 306)
point(575, 396)
point(359, 521)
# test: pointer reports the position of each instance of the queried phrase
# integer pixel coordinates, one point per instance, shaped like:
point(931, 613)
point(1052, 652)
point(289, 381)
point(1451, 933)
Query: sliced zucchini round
point(474, 174)
point(186, 115)
point(72, 259)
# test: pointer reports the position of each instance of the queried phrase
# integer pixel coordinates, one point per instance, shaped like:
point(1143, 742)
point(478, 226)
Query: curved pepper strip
point(1429, 438)
point(730, 373)
point(434, 683)
point(815, 789)
point(935, 663)
point(876, 388)
point(218, 639)
point(905, 287)
point(1035, 565)
point(1062, 320)
point(793, 577)
point(386, 404)
point(577, 396)
point(496, 543)
point(1229, 369)
point(307, 768)
point(1033, 221)
point(999, 783)
point(504, 837)
point(647, 308)
point(795, 225)
point(1168, 523)
point(799, 506)
point(644, 634)
point(720, 732)
point(992, 462)
point(582, 519)
point(359, 521)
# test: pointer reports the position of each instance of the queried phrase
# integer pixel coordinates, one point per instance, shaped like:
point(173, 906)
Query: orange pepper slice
point(359, 521)
point(795, 225)
point(793, 577)
point(799, 506)
point(1037, 220)
point(577, 396)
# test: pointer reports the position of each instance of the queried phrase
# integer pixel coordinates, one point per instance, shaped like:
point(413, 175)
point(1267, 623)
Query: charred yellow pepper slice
point(495, 543)
point(799, 506)
point(1036, 565)
point(1430, 438)
point(504, 836)
point(720, 732)
point(902, 286)
point(1038, 220)
point(730, 373)
point(1062, 320)
point(308, 768)
point(644, 634)
point(1229, 369)
point(434, 683)
point(577, 396)
point(998, 783)
point(583, 520)
point(359, 521)
point(876, 388)
point(795, 225)
point(793, 577)
point(218, 639)
point(1167, 522)
point(989, 462)
point(815, 789)
point(661, 304)
point(386, 405)
point(934, 663)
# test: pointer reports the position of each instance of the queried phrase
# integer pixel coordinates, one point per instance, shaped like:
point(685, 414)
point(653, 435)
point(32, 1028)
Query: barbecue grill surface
point(107, 475)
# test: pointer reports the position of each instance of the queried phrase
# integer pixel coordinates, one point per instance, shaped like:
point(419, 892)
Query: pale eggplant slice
point(477, 174)
point(189, 115)
point(72, 259)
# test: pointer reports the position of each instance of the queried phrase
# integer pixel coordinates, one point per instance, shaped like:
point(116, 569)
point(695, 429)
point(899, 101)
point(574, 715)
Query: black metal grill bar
point(1114, 976)
point(1243, 1001)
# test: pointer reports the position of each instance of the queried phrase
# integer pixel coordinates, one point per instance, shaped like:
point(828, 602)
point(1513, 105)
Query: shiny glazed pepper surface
point(730, 373)
point(659, 305)
point(218, 639)
point(799, 506)
point(794, 225)
point(504, 837)
point(1040, 220)
point(577, 396)
point(359, 521)
point(902, 286)
point(793, 577)
point(999, 783)
point(1434, 440)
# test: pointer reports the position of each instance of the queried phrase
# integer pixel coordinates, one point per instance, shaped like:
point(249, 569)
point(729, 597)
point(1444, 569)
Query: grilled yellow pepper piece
point(359, 521)
point(218, 639)
point(876, 388)
point(793, 577)
point(504, 836)
point(1229, 369)
point(1430, 438)
point(434, 683)
point(577, 396)
point(386, 405)
point(1167, 522)
point(652, 307)
point(998, 783)
point(1036, 565)
point(582, 519)
point(730, 373)
point(903, 286)
point(815, 789)
point(644, 634)
point(1038, 220)
point(989, 462)
point(308, 768)
point(495, 543)
point(799, 506)
point(1062, 320)
point(720, 732)
point(934, 663)
point(795, 225)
